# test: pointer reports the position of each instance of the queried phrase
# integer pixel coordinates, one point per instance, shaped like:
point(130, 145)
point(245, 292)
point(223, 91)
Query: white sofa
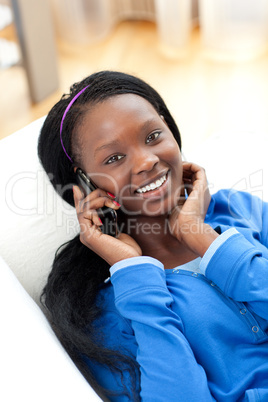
point(35, 221)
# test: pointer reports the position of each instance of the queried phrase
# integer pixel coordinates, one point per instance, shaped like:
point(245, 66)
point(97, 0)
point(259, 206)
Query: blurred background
point(207, 58)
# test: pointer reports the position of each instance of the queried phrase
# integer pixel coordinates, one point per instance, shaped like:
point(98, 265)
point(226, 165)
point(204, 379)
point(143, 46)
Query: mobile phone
point(107, 215)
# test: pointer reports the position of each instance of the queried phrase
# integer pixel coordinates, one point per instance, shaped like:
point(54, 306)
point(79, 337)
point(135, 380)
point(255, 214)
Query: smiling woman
point(127, 146)
point(126, 320)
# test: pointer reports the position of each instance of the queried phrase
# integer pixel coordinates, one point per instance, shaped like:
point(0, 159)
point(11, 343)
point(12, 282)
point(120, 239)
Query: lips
point(154, 185)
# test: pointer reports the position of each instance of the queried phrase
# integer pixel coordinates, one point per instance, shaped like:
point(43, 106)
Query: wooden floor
point(204, 96)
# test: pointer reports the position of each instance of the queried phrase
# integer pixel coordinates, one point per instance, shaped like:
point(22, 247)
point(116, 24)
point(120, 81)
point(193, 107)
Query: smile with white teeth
point(152, 186)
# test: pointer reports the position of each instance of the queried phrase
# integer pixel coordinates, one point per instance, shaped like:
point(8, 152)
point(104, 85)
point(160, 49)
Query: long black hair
point(77, 273)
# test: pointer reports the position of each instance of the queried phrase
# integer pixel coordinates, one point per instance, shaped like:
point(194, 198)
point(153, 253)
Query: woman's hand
point(107, 247)
point(187, 218)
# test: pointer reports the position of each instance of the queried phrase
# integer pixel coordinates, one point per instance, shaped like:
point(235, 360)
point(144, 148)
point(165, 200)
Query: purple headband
point(63, 117)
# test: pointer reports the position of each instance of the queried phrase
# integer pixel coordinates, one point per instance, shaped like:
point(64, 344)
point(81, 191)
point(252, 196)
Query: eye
point(114, 158)
point(152, 137)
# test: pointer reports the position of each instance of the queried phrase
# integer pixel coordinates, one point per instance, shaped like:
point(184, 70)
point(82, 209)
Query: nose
point(144, 161)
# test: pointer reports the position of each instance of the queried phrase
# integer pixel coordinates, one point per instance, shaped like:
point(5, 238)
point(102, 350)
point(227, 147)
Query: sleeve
point(168, 367)
point(239, 267)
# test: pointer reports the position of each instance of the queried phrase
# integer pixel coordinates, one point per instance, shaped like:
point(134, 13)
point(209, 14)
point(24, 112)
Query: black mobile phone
point(107, 215)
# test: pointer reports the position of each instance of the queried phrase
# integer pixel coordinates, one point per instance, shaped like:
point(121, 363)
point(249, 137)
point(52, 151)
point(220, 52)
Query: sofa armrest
point(33, 365)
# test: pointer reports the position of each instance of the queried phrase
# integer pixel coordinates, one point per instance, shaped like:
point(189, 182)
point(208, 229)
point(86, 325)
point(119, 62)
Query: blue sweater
point(199, 331)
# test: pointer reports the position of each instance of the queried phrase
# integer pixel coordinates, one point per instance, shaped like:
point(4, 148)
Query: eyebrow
point(106, 145)
point(143, 127)
point(146, 125)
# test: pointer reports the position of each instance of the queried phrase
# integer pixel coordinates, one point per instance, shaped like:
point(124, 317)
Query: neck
point(155, 239)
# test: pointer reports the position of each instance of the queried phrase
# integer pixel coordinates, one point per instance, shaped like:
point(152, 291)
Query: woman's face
point(128, 150)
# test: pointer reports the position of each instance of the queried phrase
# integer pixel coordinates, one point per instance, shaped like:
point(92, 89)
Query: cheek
point(105, 181)
point(173, 153)
point(114, 181)
point(116, 184)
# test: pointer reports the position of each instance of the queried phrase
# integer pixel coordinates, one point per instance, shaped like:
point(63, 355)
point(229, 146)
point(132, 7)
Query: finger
point(193, 172)
point(101, 202)
point(90, 228)
point(100, 193)
point(78, 198)
point(193, 167)
point(91, 216)
point(96, 199)
point(78, 195)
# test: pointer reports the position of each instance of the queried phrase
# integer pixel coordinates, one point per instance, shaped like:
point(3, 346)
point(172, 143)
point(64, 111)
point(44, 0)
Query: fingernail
point(110, 194)
point(117, 203)
point(100, 220)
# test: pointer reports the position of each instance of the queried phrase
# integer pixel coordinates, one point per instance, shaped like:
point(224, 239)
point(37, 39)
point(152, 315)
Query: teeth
point(152, 186)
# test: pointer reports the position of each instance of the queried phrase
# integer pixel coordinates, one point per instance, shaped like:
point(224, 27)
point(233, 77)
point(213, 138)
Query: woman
point(175, 307)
